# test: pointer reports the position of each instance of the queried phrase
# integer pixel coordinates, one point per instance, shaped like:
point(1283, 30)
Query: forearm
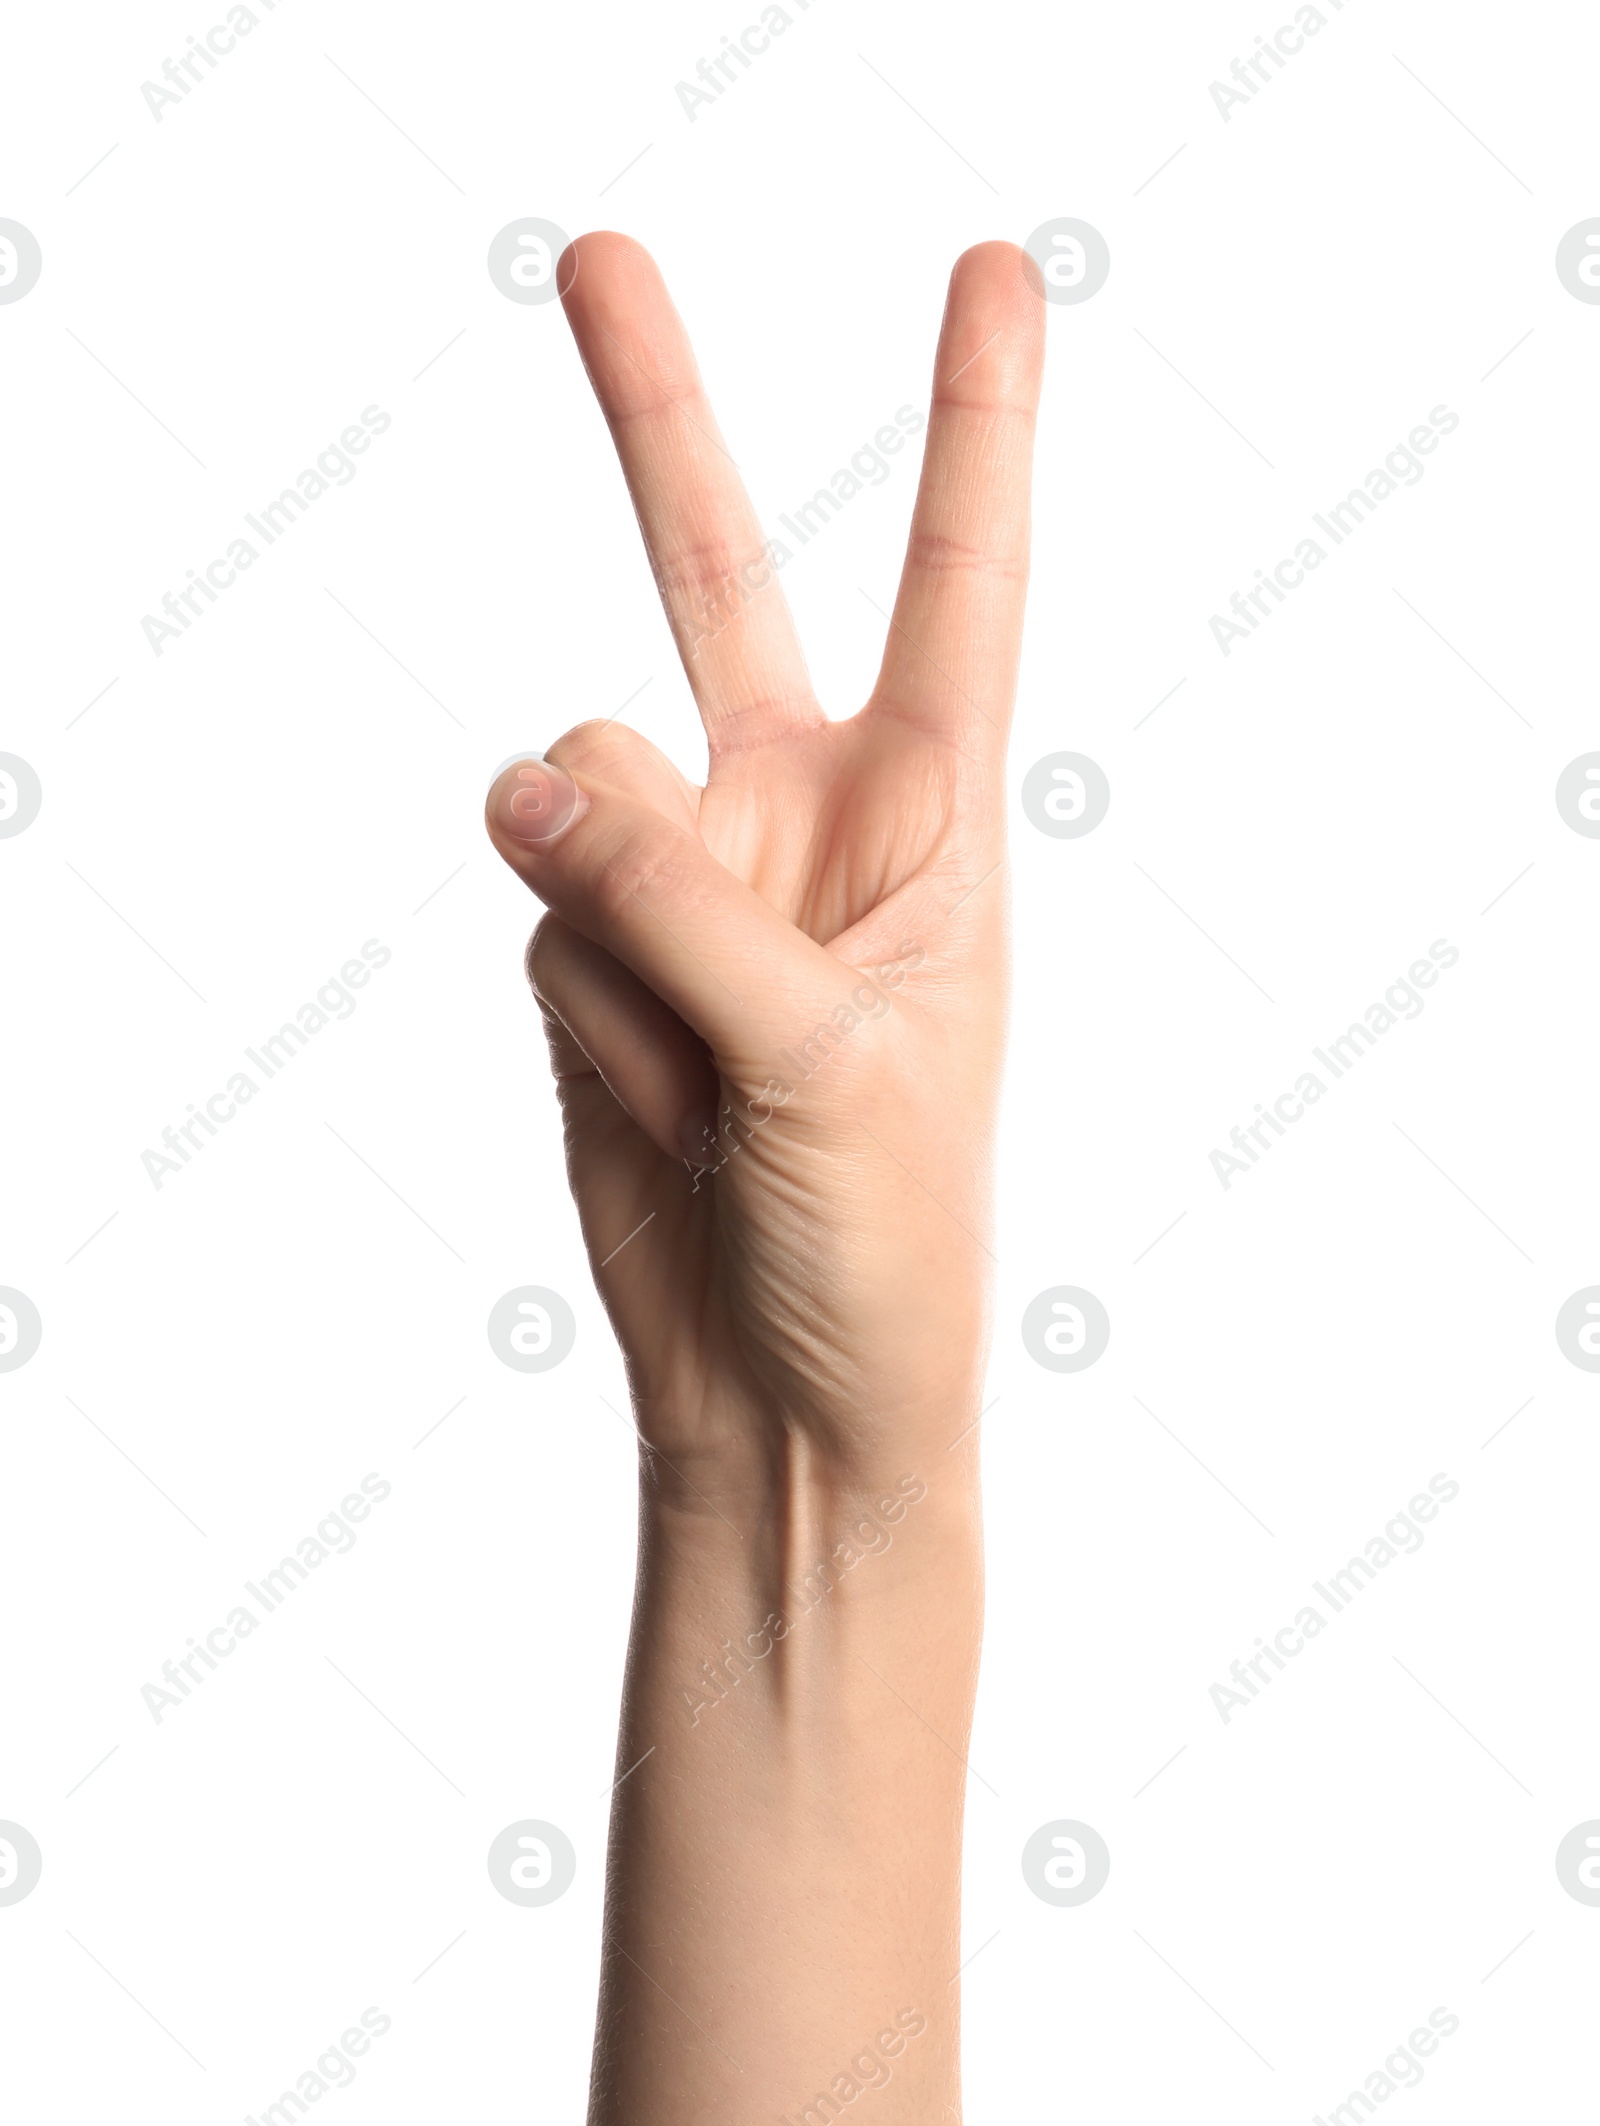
point(783, 1893)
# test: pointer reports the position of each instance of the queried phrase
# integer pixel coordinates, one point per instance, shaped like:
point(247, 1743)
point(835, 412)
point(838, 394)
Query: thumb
point(650, 892)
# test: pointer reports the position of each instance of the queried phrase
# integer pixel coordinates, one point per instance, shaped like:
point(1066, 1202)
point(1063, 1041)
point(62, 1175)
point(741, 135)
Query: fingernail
point(538, 802)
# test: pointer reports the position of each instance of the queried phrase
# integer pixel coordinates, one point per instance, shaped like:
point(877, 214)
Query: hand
point(775, 1004)
point(775, 1009)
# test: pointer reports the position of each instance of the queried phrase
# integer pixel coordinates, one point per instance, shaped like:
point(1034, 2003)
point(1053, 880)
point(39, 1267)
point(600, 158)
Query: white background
point(303, 771)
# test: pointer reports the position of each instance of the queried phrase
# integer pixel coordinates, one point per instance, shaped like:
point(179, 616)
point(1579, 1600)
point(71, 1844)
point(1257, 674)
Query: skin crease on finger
point(798, 972)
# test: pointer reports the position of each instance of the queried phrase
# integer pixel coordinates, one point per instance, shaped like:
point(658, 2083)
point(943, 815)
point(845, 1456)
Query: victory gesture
point(775, 1008)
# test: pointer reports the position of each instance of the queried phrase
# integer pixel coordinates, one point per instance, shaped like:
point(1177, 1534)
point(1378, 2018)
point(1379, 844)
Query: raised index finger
point(950, 663)
point(721, 594)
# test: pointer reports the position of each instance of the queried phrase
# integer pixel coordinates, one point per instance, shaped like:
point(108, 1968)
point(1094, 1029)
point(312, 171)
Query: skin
point(804, 1316)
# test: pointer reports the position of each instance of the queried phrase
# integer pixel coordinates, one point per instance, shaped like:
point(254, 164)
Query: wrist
point(817, 1593)
point(730, 1457)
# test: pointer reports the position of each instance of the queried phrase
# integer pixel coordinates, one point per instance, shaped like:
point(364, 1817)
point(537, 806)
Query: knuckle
point(644, 870)
point(939, 553)
point(586, 745)
point(543, 955)
point(609, 752)
point(713, 574)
